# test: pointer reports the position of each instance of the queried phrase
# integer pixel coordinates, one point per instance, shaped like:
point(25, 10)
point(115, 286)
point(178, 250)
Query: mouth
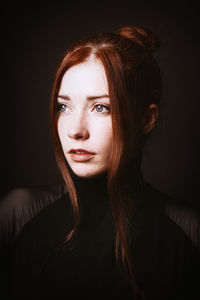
point(81, 155)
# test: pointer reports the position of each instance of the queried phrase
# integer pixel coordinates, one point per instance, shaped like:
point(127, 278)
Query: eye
point(61, 107)
point(100, 108)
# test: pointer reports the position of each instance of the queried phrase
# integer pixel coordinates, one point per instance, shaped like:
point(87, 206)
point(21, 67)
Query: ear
point(150, 118)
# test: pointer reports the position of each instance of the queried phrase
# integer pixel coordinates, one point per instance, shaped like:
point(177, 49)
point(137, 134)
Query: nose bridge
point(80, 118)
point(79, 124)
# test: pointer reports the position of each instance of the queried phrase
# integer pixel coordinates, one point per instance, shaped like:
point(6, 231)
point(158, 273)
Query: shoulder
point(176, 215)
point(21, 205)
point(167, 247)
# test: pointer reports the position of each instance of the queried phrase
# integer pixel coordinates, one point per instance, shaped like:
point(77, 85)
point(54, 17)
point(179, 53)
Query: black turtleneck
point(42, 266)
point(92, 198)
point(48, 267)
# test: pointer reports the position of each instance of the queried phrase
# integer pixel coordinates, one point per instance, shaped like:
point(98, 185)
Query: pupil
point(62, 108)
point(99, 108)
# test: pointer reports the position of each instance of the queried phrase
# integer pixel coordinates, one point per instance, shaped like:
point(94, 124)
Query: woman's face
point(84, 123)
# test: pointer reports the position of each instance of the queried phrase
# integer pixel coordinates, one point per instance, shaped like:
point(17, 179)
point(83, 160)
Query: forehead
point(85, 78)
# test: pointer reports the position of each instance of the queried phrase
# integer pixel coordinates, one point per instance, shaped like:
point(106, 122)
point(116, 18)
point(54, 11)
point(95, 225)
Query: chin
point(85, 172)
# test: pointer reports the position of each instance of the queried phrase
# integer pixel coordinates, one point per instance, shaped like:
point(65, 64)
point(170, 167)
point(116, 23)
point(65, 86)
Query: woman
point(104, 232)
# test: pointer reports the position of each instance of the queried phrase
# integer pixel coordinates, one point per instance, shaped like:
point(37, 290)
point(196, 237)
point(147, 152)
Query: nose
point(78, 128)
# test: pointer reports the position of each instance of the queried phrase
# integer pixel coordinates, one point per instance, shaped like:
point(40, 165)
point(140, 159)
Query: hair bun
point(141, 36)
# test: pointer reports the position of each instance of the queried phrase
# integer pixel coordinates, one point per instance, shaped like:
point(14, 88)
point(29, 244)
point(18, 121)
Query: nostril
point(78, 134)
point(78, 137)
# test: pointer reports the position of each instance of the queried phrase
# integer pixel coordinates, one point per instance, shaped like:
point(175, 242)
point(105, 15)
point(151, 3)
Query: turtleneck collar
point(90, 186)
point(92, 196)
point(93, 192)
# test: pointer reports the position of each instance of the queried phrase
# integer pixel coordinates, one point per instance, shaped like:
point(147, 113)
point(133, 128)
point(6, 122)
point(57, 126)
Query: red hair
point(134, 83)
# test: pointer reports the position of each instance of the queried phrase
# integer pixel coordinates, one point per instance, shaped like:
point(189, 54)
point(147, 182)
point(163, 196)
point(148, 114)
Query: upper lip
point(80, 151)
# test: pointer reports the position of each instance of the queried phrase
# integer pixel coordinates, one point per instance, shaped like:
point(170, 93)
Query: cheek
point(104, 135)
point(61, 128)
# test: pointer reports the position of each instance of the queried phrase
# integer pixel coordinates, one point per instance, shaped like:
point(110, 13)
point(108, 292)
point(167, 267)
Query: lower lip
point(81, 157)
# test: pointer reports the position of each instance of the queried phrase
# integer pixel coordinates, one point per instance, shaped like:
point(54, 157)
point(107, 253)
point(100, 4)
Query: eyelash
point(61, 107)
point(102, 106)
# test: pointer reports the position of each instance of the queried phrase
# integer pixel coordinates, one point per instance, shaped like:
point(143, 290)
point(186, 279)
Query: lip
point(81, 155)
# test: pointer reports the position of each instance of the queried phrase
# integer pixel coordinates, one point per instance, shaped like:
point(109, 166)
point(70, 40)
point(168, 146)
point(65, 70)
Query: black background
point(35, 35)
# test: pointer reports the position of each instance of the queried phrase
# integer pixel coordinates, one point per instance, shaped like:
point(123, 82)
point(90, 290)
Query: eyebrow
point(89, 98)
